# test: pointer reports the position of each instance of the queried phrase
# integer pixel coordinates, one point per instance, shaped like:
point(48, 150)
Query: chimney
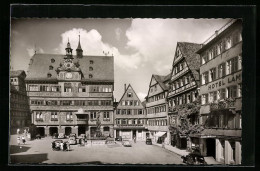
point(125, 87)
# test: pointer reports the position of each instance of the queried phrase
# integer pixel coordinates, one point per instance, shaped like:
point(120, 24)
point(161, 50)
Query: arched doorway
point(41, 131)
point(53, 130)
point(67, 130)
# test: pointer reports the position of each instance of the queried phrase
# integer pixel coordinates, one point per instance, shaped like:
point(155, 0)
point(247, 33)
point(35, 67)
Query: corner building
point(221, 94)
point(19, 106)
point(69, 92)
point(130, 117)
point(157, 109)
point(184, 83)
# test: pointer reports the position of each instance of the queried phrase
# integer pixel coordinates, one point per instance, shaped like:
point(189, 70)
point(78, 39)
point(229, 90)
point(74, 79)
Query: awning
point(159, 134)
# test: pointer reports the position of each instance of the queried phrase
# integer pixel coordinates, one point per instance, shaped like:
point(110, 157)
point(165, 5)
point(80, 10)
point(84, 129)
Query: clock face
point(69, 75)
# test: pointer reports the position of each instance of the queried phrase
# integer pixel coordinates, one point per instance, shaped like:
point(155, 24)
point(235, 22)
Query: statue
point(98, 124)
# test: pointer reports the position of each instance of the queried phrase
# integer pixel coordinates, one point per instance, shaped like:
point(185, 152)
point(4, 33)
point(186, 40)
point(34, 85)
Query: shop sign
point(222, 82)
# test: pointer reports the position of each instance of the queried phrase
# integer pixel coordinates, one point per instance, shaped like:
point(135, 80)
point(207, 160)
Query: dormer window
point(90, 68)
point(48, 75)
point(50, 67)
point(90, 76)
point(91, 62)
point(52, 60)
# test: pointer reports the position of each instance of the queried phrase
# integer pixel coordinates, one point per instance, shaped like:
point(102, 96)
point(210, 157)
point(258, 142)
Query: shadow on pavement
point(17, 149)
point(28, 158)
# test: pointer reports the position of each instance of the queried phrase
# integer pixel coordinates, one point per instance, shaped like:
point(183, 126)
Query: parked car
point(127, 144)
point(148, 141)
point(118, 138)
point(193, 158)
point(72, 140)
point(61, 135)
point(56, 145)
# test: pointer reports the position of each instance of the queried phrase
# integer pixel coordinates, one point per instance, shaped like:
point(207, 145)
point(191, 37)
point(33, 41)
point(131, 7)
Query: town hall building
point(69, 93)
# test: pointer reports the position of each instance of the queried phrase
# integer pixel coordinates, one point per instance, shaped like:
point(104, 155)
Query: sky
point(141, 47)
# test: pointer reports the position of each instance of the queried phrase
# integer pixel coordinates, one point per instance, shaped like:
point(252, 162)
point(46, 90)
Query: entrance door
point(40, 130)
point(67, 130)
point(211, 147)
point(117, 133)
point(53, 130)
point(134, 134)
point(81, 130)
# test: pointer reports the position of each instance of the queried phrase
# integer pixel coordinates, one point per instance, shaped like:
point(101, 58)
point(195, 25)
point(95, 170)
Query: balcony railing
point(129, 125)
point(39, 119)
point(174, 77)
point(222, 104)
point(54, 119)
point(183, 88)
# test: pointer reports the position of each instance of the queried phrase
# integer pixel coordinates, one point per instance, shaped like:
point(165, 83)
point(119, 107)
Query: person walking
point(135, 139)
point(18, 131)
point(19, 142)
point(23, 139)
point(61, 146)
point(163, 144)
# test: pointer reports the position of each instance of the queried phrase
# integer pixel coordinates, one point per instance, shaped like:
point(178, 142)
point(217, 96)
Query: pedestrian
point(19, 141)
point(23, 139)
point(68, 146)
point(61, 146)
point(135, 139)
point(163, 145)
point(18, 131)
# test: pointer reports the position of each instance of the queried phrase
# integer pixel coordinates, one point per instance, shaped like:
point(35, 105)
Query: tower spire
point(68, 50)
point(79, 49)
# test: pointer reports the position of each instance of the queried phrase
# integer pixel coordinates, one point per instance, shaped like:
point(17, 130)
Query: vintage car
point(56, 145)
point(193, 159)
point(72, 140)
point(126, 143)
point(148, 141)
point(61, 135)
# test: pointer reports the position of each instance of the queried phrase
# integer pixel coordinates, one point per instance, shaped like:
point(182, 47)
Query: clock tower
point(69, 69)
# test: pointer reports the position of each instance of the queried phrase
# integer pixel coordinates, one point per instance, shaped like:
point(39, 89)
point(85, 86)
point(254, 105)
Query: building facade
point(157, 109)
point(19, 106)
point(183, 92)
point(69, 93)
point(130, 117)
point(221, 94)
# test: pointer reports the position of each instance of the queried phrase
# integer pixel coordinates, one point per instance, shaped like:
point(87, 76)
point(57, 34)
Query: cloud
point(92, 44)
point(118, 32)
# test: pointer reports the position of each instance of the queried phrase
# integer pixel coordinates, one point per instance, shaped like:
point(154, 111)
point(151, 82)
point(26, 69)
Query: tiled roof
point(161, 80)
point(189, 50)
point(103, 67)
point(16, 73)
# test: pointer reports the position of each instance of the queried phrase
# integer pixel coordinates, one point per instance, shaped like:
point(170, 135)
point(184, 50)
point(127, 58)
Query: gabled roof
point(17, 73)
point(188, 51)
point(103, 67)
point(161, 80)
point(129, 85)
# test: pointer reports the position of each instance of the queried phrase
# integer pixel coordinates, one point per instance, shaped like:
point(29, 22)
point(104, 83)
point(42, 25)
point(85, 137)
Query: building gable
point(129, 95)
